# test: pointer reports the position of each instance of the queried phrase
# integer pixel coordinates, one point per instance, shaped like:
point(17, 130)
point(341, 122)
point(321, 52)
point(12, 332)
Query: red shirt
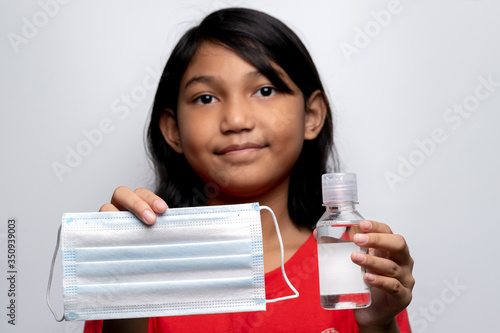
point(302, 314)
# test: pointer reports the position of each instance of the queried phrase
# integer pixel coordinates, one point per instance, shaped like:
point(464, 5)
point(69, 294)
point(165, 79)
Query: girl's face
point(234, 128)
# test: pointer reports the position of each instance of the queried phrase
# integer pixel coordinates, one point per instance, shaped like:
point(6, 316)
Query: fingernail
point(358, 258)
point(149, 216)
point(360, 238)
point(160, 205)
point(370, 277)
point(366, 225)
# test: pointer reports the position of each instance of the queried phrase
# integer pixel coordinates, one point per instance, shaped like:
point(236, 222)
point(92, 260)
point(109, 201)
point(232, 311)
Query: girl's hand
point(390, 266)
point(143, 203)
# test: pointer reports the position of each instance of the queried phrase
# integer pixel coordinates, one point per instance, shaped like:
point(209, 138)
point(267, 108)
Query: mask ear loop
point(49, 284)
point(296, 293)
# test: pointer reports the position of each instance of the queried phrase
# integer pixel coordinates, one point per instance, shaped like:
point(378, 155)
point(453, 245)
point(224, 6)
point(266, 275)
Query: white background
point(75, 67)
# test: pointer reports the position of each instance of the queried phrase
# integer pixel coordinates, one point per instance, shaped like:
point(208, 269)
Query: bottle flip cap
point(339, 187)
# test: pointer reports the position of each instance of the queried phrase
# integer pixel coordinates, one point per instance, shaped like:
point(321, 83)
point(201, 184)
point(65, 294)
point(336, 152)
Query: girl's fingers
point(108, 208)
point(143, 203)
point(382, 242)
point(377, 265)
point(379, 237)
point(389, 258)
point(155, 202)
point(385, 268)
point(375, 227)
point(389, 264)
point(391, 286)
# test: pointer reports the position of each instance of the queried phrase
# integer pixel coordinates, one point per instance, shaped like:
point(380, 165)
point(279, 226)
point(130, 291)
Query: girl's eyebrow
point(253, 74)
point(209, 78)
point(201, 79)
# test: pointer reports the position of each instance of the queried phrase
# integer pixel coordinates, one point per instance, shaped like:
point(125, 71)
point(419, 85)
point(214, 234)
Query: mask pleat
point(166, 291)
point(164, 269)
point(179, 250)
point(83, 235)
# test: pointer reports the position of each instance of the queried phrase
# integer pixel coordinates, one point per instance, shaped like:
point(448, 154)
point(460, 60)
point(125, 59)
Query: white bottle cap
point(339, 187)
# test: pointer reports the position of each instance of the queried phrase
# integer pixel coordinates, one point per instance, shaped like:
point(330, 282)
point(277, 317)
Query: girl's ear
point(170, 130)
point(315, 115)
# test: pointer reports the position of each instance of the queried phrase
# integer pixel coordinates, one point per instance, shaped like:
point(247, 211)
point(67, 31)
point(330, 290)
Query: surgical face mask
point(196, 260)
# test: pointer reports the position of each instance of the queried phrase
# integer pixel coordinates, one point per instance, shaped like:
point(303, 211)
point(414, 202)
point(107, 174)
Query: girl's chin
point(235, 195)
point(238, 193)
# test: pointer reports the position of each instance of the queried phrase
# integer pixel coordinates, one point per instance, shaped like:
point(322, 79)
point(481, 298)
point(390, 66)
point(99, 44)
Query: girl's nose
point(237, 116)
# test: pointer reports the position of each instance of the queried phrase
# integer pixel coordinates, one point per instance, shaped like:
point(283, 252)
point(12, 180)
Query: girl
point(240, 115)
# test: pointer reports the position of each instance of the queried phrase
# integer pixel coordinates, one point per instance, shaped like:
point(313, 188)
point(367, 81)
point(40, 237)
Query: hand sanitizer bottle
point(341, 281)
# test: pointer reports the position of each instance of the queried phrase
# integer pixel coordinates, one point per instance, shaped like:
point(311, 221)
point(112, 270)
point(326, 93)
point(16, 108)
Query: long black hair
point(262, 40)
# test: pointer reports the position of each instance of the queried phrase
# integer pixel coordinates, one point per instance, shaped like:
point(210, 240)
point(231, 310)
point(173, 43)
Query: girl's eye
point(266, 91)
point(205, 99)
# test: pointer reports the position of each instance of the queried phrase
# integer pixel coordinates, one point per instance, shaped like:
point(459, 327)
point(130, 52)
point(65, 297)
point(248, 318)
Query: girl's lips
point(248, 146)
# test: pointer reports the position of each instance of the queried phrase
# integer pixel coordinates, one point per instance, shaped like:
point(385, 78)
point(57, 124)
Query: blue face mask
point(196, 260)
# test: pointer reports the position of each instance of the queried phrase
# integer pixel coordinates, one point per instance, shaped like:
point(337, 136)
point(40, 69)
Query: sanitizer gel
point(340, 280)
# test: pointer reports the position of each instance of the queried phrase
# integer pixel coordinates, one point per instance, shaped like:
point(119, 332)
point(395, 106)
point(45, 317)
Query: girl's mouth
point(240, 148)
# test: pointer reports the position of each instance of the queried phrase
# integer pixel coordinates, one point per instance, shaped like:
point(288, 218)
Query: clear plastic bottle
point(341, 281)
